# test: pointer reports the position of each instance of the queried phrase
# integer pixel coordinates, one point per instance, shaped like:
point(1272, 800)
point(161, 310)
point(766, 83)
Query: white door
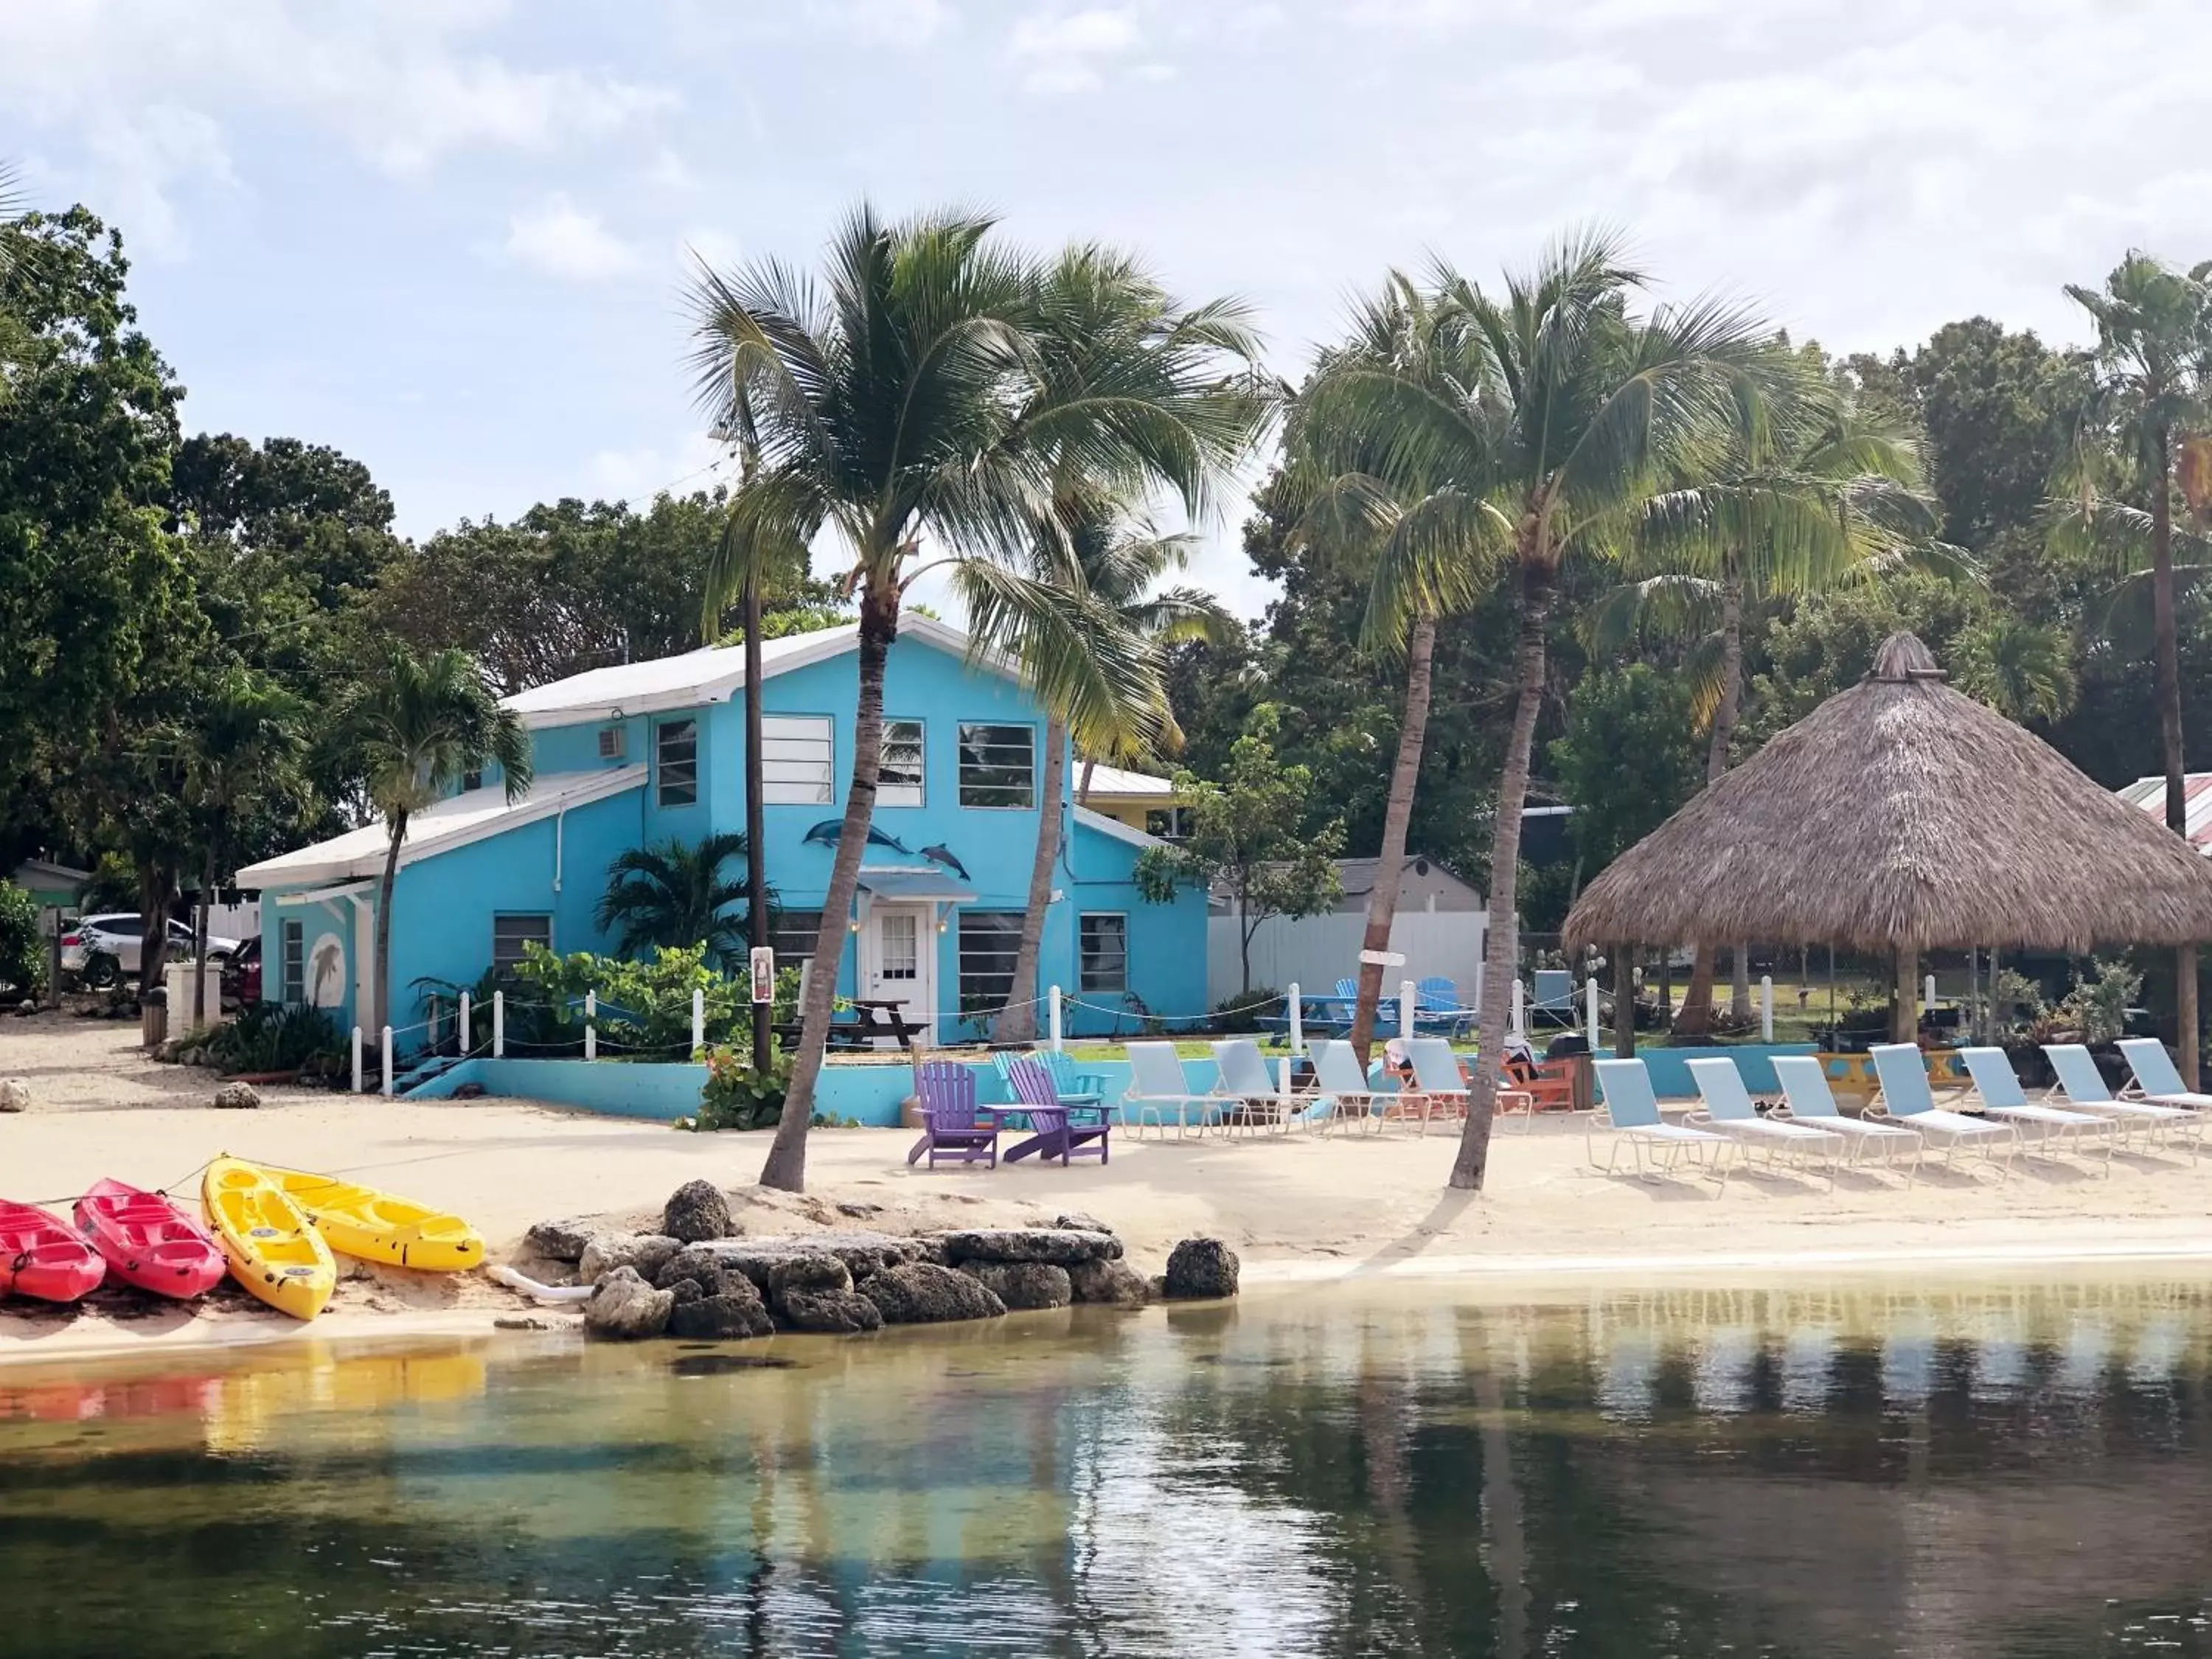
point(899, 965)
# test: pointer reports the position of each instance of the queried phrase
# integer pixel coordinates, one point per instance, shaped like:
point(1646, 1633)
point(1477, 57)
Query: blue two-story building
point(630, 756)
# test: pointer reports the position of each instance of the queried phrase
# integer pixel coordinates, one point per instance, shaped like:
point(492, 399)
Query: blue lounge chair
point(1158, 1087)
point(1553, 998)
point(1249, 1099)
point(1905, 1097)
point(1630, 1110)
point(1810, 1100)
point(1438, 1081)
point(2157, 1079)
point(1996, 1085)
point(1346, 1095)
point(1730, 1111)
point(2086, 1090)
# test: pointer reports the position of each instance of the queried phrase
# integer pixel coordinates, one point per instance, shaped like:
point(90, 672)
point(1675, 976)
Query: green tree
point(247, 737)
point(414, 730)
point(917, 395)
point(674, 895)
point(1628, 759)
point(1247, 835)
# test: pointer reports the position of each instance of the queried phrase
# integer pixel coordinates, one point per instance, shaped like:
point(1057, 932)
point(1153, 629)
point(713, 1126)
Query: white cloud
point(1065, 50)
point(692, 462)
point(885, 23)
point(717, 247)
point(563, 240)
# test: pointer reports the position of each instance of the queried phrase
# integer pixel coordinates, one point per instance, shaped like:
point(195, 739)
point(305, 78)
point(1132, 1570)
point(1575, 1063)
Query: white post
point(356, 1060)
point(1283, 1084)
point(1520, 1007)
point(1052, 1015)
point(591, 1025)
point(499, 1026)
point(1298, 1020)
point(698, 1019)
point(1405, 1009)
point(468, 1036)
point(1589, 1001)
point(1928, 993)
point(1766, 1008)
point(387, 1060)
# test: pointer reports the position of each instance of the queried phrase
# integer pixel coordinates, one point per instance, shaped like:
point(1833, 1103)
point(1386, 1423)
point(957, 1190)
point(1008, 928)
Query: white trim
point(1087, 819)
point(324, 895)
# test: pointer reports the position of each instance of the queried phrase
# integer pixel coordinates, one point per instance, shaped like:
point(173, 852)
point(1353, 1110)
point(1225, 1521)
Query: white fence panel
point(1315, 951)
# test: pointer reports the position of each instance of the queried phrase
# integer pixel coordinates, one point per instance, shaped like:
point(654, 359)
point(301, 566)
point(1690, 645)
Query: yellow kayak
point(379, 1226)
point(272, 1249)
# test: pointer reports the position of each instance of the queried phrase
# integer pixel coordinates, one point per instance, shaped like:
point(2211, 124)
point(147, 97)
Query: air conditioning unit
point(612, 740)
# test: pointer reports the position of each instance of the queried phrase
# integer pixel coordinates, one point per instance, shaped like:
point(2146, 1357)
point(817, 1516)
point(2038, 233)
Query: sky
point(450, 237)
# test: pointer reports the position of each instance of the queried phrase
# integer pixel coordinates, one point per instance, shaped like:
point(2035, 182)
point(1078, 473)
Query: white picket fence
point(1314, 952)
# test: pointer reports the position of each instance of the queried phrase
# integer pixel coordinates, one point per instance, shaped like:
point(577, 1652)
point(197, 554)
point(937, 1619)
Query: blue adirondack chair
point(1347, 1005)
point(1074, 1088)
point(1436, 1006)
point(953, 1127)
point(1060, 1130)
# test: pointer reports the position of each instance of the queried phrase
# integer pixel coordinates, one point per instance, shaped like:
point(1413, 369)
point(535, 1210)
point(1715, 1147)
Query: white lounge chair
point(1997, 1086)
point(2086, 1090)
point(1437, 1079)
point(1810, 1100)
point(1250, 1098)
point(2157, 1079)
point(1906, 1098)
point(1629, 1111)
point(1347, 1095)
point(1729, 1110)
point(1158, 1087)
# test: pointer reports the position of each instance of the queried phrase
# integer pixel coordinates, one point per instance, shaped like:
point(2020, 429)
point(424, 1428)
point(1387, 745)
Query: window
point(612, 746)
point(898, 946)
point(292, 949)
point(990, 940)
point(472, 779)
point(998, 765)
point(898, 782)
point(1103, 941)
point(796, 754)
point(797, 932)
point(509, 933)
point(676, 757)
point(1167, 822)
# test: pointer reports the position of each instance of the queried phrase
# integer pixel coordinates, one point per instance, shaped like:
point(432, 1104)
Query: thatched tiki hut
point(1901, 816)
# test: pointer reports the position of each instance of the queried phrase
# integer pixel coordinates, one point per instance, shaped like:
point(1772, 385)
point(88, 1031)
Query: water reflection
point(2004, 1471)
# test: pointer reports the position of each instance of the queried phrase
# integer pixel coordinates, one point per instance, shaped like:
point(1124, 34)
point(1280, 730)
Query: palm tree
point(915, 392)
point(1822, 497)
point(1553, 419)
point(413, 729)
point(246, 742)
point(674, 895)
point(2154, 347)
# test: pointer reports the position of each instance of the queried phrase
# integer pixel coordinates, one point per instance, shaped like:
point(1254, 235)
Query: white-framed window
point(612, 743)
point(292, 949)
point(797, 754)
point(898, 946)
point(898, 782)
point(1102, 948)
point(511, 931)
point(1167, 822)
point(990, 940)
point(998, 765)
point(797, 932)
point(675, 762)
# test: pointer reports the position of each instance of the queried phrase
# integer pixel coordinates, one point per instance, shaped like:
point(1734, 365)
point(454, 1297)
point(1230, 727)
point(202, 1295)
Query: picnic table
point(873, 1017)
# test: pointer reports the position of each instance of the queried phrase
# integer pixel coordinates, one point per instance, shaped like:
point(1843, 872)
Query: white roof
point(1119, 831)
point(713, 674)
point(2149, 793)
point(1119, 780)
point(454, 822)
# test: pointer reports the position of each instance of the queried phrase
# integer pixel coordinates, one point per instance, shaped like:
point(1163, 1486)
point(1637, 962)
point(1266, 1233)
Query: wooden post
point(1624, 1001)
point(1905, 1016)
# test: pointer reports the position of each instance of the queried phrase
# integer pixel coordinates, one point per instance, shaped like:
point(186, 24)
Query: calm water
point(1998, 1470)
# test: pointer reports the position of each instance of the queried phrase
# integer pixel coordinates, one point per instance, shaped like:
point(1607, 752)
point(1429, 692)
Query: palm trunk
point(785, 1167)
point(1739, 982)
point(1382, 901)
point(154, 891)
point(1017, 1019)
point(2169, 731)
point(200, 940)
point(756, 915)
point(390, 877)
point(1082, 788)
point(1502, 952)
point(1697, 1013)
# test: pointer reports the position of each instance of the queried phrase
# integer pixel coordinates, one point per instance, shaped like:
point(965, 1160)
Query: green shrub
point(644, 1008)
point(737, 1097)
point(22, 947)
point(269, 1037)
point(1242, 1013)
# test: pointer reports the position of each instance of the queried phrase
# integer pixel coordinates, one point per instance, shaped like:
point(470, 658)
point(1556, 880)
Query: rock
point(560, 1241)
point(808, 1272)
point(1064, 1247)
point(722, 1318)
point(1023, 1285)
point(693, 1261)
point(647, 1252)
point(1075, 1221)
point(625, 1309)
point(167, 1049)
point(1202, 1267)
point(237, 1097)
point(519, 1323)
point(696, 1212)
point(839, 1312)
point(687, 1289)
point(1114, 1283)
point(859, 1210)
point(15, 1095)
point(1156, 1287)
point(923, 1293)
point(468, 1092)
point(861, 1252)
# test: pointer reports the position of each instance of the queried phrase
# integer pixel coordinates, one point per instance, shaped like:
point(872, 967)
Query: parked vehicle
point(120, 936)
point(241, 974)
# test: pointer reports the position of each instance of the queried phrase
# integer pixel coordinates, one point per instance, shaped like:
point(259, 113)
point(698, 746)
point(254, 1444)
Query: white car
point(119, 936)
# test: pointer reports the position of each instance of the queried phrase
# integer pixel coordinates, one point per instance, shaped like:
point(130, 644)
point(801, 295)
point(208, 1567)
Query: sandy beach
point(1296, 1207)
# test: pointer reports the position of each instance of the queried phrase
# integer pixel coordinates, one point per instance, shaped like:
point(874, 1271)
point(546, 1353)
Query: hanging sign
point(764, 964)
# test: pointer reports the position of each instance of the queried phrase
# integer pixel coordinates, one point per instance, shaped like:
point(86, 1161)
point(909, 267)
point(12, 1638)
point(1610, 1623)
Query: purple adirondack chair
point(1061, 1132)
point(952, 1127)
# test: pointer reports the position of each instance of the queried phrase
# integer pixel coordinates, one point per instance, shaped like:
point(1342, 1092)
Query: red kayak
point(41, 1257)
point(147, 1241)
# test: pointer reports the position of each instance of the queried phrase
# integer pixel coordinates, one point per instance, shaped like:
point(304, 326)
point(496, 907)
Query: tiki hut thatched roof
point(1902, 814)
